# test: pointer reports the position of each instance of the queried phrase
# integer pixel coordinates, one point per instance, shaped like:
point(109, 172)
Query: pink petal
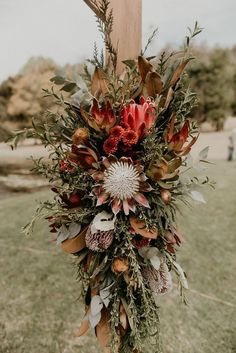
point(141, 199)
point(98, 176)
point(116, 206)
point(102, 198)
point(131, 122)
point(126, 207)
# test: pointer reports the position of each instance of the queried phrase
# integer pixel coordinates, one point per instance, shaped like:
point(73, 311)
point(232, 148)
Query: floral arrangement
point(119, 157)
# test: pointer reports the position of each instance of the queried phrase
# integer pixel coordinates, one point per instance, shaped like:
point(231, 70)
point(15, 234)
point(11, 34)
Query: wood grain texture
point(127, 29)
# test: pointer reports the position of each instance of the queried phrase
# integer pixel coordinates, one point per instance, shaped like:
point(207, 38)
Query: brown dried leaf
point(144, 66)
point(83, 329)
point(75, 244)
point(140, 228)
point(178, 72)
point(153, 84)
point(99, 82)
point(103, 331)
point(85, 326)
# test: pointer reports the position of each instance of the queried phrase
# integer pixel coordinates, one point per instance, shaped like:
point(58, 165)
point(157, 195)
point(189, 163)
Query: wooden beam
point(127, 29)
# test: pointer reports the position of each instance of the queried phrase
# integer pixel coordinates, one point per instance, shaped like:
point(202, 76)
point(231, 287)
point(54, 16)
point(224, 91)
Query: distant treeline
point(213, 77)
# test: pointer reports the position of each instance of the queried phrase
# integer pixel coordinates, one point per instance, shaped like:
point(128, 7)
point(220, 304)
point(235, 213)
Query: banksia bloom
point(122, 183)
point(159, 281)
point(139, 117)
point(98, 241)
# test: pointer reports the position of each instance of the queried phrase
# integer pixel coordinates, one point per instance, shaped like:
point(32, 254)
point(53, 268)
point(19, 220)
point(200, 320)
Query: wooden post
point(127, 28)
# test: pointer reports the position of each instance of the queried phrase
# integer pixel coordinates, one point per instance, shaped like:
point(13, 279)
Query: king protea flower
point(122, 183)
point(139, 117)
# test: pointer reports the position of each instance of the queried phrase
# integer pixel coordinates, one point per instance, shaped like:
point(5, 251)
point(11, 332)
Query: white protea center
point(121, 180)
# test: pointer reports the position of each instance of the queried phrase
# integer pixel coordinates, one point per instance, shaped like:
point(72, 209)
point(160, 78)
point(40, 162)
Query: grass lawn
point(39, 310)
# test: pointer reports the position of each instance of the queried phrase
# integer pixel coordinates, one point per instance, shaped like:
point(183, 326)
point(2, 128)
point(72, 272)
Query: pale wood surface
point(127, 29)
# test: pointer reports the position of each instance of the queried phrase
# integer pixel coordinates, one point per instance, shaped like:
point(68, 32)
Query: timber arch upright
point(127, 28)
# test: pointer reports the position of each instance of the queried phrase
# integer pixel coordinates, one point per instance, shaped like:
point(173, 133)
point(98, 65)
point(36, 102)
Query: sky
point(65, 30)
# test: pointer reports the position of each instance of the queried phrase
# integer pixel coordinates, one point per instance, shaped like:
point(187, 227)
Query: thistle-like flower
point(122, 183)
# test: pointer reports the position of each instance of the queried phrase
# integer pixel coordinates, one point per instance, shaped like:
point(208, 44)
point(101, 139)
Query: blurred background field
point(39, 306)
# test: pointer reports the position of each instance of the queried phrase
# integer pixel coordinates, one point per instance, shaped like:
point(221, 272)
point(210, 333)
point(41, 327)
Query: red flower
point(139, 117)
point(140, 242)
point(177, 141)
point(110, 145)
point(117, 132)
point(130, 138)
point(104, 117)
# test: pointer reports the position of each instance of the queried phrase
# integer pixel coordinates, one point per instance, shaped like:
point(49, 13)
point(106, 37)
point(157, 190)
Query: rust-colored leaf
point(123, 318)
point(85, 326)
point(99, 82)
point(153, 84)
point(178, 72)
point(103, 331)
point(144, 67)
point(83, 329)
point(75, 244)
point(140, 228)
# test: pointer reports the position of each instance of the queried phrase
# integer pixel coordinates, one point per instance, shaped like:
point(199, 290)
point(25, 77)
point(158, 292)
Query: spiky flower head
point(122, 183)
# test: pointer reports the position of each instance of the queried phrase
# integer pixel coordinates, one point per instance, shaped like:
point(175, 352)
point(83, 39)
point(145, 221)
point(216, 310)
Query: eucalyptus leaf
point(63, 234)
point(156, 262)
point(95, 319)
point(74, 229)
point(68, 87)
point(204, 153)
point(103, 221)
point(105, 295)
point(58, 80)
point(96, 305)
point(197, 196)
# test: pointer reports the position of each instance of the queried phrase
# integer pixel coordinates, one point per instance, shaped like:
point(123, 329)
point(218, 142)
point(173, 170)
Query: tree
point(27, 98)
point(212, 80)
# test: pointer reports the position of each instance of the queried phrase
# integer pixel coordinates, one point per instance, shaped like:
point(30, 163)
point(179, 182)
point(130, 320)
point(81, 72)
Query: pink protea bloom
point(139, 117)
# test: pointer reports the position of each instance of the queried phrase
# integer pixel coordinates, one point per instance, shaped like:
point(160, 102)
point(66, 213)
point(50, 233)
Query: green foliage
point(213, 81)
